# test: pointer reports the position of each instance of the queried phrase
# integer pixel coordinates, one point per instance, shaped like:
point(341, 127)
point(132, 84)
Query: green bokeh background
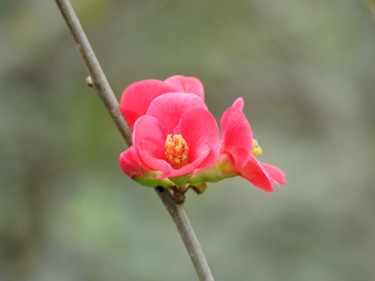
point(306, 70)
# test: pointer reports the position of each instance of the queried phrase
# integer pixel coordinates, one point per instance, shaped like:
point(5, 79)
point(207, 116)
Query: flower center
point(256, 148)
point(176, 151)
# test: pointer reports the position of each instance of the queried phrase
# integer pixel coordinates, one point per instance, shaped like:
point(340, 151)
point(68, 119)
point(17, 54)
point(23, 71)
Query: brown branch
point(183, 225)
point(100, 83)
point(98, 79)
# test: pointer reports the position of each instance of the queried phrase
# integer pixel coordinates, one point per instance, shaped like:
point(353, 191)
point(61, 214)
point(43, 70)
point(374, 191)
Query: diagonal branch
point(182, 222)
point(102, 87)
point(99, 80)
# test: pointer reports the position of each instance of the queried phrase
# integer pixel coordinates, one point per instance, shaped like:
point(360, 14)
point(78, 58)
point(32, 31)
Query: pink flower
point(239, 147)
point(176, 135)
point(136, 98)
point(176, 140)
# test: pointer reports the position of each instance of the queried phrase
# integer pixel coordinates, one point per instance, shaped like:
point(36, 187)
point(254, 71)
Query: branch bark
point(105, 92)
point(182, 222)
point(99, 80)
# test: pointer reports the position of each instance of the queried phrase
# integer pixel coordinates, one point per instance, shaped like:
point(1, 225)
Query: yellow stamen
point(257, 150)
point(176, 151)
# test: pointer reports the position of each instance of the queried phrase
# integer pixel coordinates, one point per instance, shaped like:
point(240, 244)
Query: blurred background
point(306, 71)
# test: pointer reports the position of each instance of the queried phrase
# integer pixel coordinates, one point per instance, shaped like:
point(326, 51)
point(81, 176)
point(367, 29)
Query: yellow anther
point(176, 151)
point(256, 148)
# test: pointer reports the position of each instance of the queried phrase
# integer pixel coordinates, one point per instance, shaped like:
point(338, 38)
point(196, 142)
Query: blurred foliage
point(371, 4)
point(306, 72)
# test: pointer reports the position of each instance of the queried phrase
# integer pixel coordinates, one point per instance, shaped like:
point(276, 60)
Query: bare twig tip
point(89, 81)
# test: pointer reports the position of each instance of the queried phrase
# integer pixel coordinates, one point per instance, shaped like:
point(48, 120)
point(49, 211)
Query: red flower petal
point(130, 162)
point(237, 137)
point(238, 103)
point(149, 140)
point(168, 108)
point(136, 98)
point(276, 174)
point(184, 84)
point(256, 174)
point(152, 155)
point(198, 127)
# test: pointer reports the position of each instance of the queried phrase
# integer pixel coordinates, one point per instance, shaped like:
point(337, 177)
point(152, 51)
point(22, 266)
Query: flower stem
point(105, 92)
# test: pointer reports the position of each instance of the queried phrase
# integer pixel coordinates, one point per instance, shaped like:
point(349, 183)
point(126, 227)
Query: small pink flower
point(175, 136)
point(136, 98)
point(176, 139)
point(238, 147)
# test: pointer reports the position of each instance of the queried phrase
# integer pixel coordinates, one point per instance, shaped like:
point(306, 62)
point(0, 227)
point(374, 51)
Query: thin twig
point(182, 222)
point(102, 87)
point(99, 80)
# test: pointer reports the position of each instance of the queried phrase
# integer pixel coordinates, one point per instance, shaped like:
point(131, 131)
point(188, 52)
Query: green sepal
point(199, 187)
point(149, 179)
point(181, 181)
point(215, 173)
